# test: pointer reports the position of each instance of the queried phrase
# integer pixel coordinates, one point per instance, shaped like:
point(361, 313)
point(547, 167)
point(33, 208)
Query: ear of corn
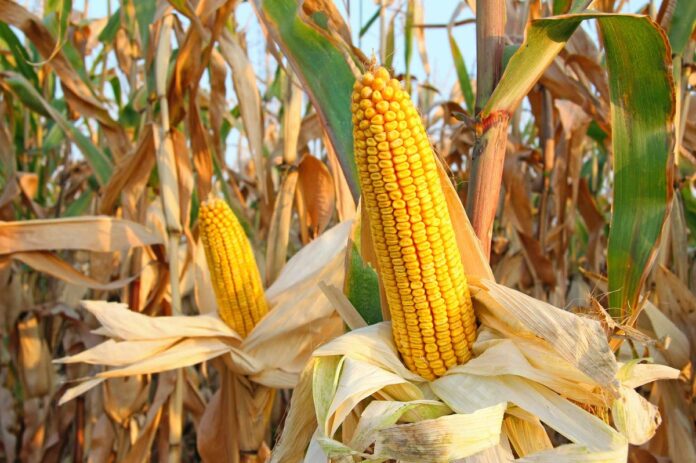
point(419, 263)
point(233, 270)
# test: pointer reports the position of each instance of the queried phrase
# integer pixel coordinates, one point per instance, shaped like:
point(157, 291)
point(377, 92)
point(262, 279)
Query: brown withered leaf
point(22, 184)
point(345, 205)
point(184, 175)
point(140, 450)
point(102, 440)
point(130, 176)
point(219, 423)
point(51, 264)
point(593, 220)
point(244, 81)
point(92, 233)
point(33, 358)
point(202, 159)
point(325, 15)
point(123, 397)
point(419, 33)
point(279, 230)
point(309, 130)
point(677, 426)
point(8, 420)
point(218, 92)
point(235, 419)
point(517, 194)
point(536, 258)
point(316, 186)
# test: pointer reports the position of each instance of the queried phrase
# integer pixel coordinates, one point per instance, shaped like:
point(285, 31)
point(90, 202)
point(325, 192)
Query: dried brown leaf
point(244, 81)
point(316, 186)
point(130, 176)
point(279, 230)
point(93, 233)
point(34, 358)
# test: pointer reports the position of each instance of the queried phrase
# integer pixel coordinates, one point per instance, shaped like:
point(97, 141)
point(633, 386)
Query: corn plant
point(384, 253)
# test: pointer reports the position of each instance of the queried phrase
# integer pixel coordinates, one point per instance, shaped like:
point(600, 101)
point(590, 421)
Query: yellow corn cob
point(236, 280)
point(419, 263)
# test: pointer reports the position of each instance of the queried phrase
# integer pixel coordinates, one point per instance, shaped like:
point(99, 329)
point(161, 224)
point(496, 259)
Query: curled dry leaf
point(99, 234)
point(316, 186)
point(528, 355)
point(140, 344)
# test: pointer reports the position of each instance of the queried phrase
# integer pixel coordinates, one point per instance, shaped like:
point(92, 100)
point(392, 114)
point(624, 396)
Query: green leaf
point(145, 15)
point(642, 112)
point(100, 163)
point(569, 6)
point(462, 74)
point(19, 53)
point(369, 23)
point(80, 205)
point(362, 287)
point(683, 22)
point(59, 10)
point(108, 34)
point(321, 66)
point(689, 204)
point(389, 44)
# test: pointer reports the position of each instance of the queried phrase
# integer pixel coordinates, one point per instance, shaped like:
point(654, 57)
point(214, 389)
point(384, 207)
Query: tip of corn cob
point(233, 270)
point(418, 259)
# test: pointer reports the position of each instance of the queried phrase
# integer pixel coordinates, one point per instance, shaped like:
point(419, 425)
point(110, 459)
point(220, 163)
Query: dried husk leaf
point(53, 265)
point(34, 358)
point(315, 184)
point(273, 354)
point(537, 360)
point(95, 233)
point(442, 439)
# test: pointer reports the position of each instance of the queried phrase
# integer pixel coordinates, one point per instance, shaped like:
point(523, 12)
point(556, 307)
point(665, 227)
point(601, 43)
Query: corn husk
point(533, 364)
point(273, 354)
point(234, 423)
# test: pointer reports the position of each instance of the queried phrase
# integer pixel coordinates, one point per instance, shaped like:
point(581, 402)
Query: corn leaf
point(460, 64)
point(19, 53)
point(321, 66)
point(683, 22)
point(100, 163)
point(642, 112)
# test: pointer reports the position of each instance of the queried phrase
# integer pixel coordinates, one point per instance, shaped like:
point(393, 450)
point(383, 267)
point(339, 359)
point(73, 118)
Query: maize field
point(332, 231)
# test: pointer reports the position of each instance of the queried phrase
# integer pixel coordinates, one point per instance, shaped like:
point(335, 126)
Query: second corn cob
point(233, 270)
point(419, 263)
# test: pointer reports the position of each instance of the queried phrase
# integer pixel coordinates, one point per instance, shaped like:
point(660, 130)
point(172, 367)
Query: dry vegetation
point(577, 169)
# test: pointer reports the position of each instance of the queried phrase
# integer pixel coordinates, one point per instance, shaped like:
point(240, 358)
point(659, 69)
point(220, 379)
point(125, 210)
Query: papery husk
point(537, 362)
point(362, 368)
point(533, 364)
point(273, 354)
